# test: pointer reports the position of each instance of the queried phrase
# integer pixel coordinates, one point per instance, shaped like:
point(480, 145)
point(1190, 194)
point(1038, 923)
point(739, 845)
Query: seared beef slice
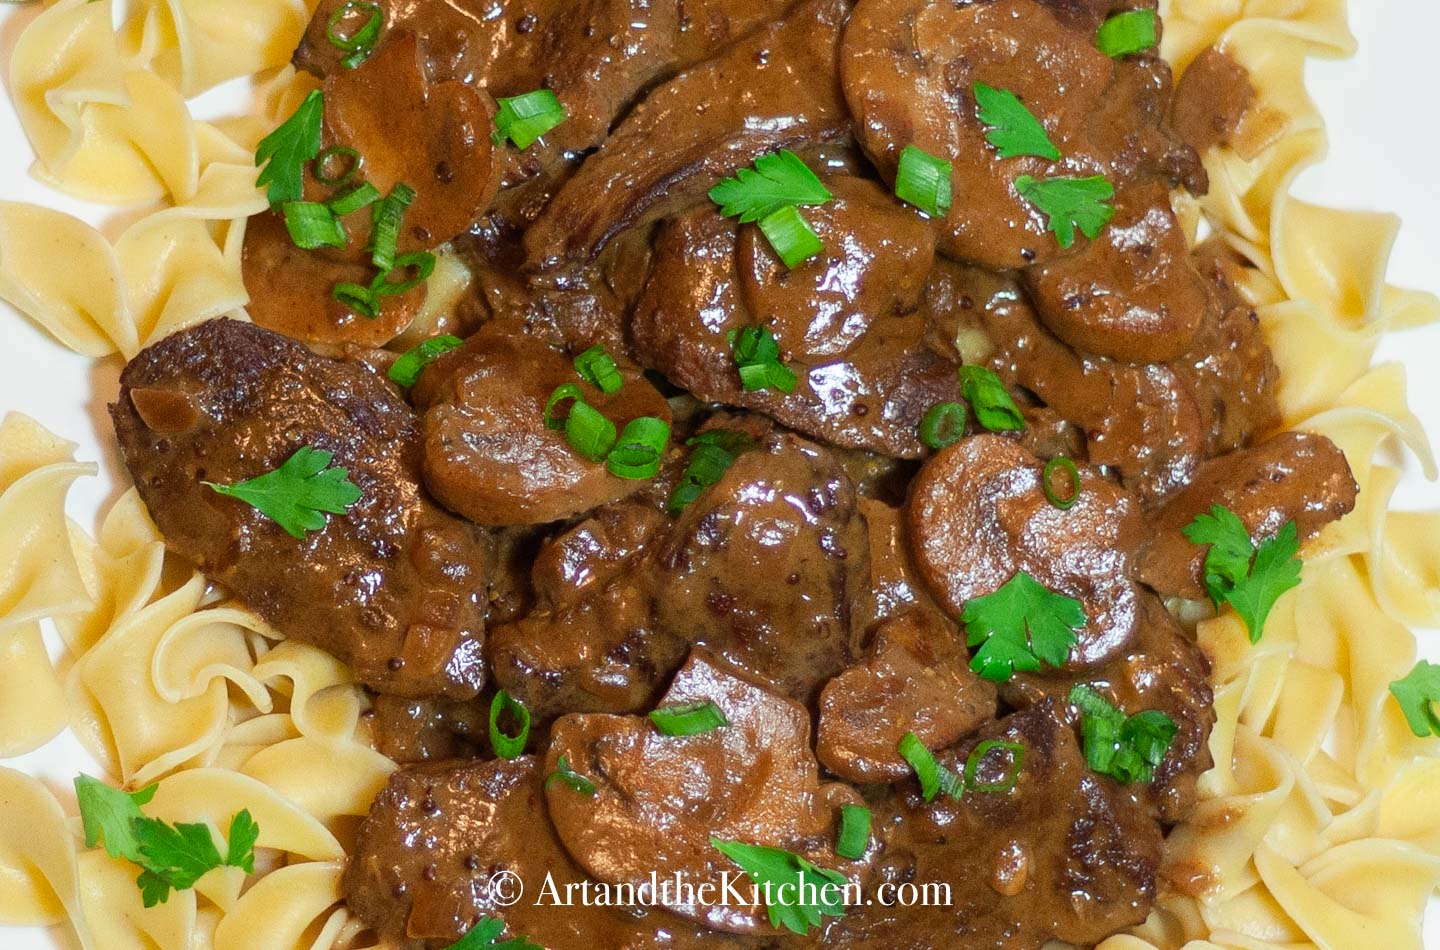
point(394, 586)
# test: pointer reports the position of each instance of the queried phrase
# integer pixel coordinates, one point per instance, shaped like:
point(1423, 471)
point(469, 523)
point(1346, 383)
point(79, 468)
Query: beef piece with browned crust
point(394, 586)
point(1065, 854)
point(444, 845)
point(768, 568)
point(916, 679)
point(776, 88)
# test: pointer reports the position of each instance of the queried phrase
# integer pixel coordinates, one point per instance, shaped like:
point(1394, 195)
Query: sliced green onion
point(406, 370)
point(597, 368)
point(361, 43)
point(927, 770)
point(1127, 33)
point(589, 432)
point(757, 357)
point(755, 376)
point(564, 773)
point(754, 344)
point(523, 119)
point(359, 298)
point(639, 449)
point(714, 452)
point(924, 181)
point(1126, 748)
point(791, 236)
point(422, 262)
point(562, 393)
point(508, 746)
point(977, 758)
point(1072, 474)
point(990, 400)
point(312, 225)
point(362, 195)
point(1150, 732)
point(943, 425)
point(951, 783)
point(323, 159)
point(854, 832)
point(691, 719)
point(385, 219)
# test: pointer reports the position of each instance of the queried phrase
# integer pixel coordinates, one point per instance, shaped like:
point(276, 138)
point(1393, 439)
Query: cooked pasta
point(1320, 824)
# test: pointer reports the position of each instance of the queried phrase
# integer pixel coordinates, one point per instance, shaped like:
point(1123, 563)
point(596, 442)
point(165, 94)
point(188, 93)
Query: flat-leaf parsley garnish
point(1019, 627)
point(1237, 573)
point(1416, 694)
point(778, 180)
point(1070, 203)
point(485, 935)
point(785, 880)
point(288, 148)
point(299, 493)
point(1014, 130)
point(169, 856)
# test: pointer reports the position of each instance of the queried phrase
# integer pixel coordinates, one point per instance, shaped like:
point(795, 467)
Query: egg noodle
point(1319, 825)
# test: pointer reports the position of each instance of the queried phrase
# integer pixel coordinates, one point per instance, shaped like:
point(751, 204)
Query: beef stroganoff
point(854, 473)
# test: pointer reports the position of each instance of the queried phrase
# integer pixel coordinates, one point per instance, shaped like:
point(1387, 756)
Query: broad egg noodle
point(1320, 823)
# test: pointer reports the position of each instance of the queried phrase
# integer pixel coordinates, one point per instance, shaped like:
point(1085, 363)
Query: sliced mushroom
point(909, 69)
point(431, 137)
point(867, 367)
point(489, 455)
point(1131, 294)
point(978, 514)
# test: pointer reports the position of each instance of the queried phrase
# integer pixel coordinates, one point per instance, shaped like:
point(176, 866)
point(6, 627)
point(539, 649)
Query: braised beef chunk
point(774, 89)
point(1162, 670)
point(916, 679)
point(423, 730)
point(661, 800)
point(852, 331)
point(910, 67)
point(590, 644)
point(489, 454)
point(1212, 99)
point(768, 568)
point(1137, 419)
point(394, 586)
point(439, 835)
point(978, 514)
point(1063, 855)
point(1294, 476)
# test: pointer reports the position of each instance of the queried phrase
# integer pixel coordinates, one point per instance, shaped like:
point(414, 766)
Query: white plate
point(1384, 143)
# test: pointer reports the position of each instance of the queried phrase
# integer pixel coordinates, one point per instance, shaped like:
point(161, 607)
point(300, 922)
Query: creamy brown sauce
point(814, 589)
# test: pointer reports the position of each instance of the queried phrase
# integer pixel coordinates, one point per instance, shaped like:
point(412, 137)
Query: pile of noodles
point(1320, 823)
